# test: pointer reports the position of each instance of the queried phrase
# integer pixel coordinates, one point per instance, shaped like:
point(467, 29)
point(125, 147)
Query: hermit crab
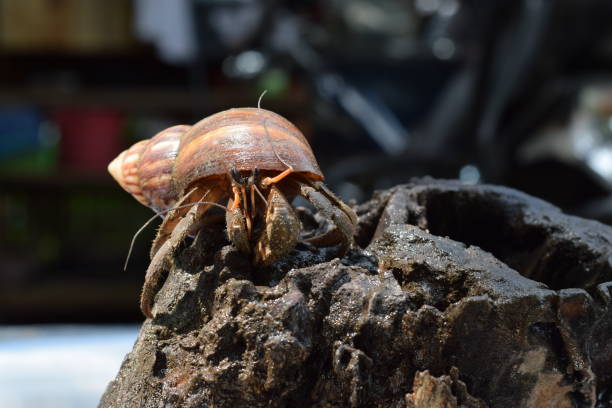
point(253, 160)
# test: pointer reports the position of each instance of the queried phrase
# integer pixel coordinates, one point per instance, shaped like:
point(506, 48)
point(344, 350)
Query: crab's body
point(253, 159)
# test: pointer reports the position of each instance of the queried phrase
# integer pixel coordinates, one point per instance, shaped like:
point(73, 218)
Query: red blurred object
point(91, 137)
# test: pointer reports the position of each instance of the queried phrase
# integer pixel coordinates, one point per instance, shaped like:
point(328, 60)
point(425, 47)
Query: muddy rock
point(456, 296)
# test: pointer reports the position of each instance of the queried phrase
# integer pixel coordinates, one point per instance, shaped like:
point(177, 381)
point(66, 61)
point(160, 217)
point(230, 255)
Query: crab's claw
point(281, 230)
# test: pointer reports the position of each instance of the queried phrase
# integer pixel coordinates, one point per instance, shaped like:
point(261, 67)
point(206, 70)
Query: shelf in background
point(145, 98)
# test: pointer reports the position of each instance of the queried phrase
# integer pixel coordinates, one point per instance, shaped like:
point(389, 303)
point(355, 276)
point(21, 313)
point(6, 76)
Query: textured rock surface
point(468, 296)
point(445, 391)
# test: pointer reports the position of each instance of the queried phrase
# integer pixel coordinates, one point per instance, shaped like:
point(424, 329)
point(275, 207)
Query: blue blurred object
point(28, 141)
point(19, 130)
point(60, 366)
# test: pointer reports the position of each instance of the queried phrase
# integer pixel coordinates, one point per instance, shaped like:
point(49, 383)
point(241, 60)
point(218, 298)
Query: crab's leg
point(172, 219)
point(161, 259)
point(162, 256)
point(238, 214)
point(333, 209)
point(281, 231)
point(268, 181)
point(167, 226)
point(237, 230)
point(322, 188)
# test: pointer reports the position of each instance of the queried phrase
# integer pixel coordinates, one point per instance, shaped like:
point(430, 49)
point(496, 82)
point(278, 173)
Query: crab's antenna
point(280, 159)
point(159, 214)
point(260, 98)
point(258, 191)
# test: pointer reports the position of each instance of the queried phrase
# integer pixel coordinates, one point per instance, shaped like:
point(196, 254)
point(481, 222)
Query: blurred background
point(496, 91)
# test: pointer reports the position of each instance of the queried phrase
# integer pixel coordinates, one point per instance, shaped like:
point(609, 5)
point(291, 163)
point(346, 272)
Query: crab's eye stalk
point(236, 176)
point(254, 176)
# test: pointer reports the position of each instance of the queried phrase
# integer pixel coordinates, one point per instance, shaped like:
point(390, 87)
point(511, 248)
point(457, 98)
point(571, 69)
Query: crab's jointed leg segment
point(237, 197)
point(237, 230)
point(172, 219)
point(239, 212)
point(268, 181)
point(253, 203)
point(167, 226)
point(334, 209)
point(161, 259)
point(165, 246)
point(322, 188)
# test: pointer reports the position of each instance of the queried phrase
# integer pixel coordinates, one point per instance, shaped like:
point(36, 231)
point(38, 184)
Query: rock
point(466, 295)
point(445, 391)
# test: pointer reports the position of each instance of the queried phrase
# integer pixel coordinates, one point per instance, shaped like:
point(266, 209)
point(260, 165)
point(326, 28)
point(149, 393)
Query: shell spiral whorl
point(145, 169)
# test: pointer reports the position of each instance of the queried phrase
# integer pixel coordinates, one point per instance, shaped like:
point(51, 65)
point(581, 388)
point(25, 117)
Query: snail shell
point(159, 170)
point(243, 138)
point(145, 169)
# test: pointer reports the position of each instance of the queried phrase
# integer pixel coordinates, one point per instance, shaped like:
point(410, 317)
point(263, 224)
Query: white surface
point(60, 366)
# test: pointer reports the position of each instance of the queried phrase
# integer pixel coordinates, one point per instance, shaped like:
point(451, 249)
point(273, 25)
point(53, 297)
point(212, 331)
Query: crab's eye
point(236, 176)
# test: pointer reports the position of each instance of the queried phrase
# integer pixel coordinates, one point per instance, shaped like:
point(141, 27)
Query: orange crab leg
point(253, 206)
point(265, 183)
point(247, 213)
point(236, 203)
point(240, 200)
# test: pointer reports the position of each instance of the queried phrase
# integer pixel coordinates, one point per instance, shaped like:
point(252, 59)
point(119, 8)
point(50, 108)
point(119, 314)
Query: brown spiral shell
point(157, 171)
point(145, 169)
point(243, 138)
